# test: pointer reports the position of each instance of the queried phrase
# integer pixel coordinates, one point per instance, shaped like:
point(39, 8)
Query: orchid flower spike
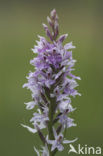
point(52, 85)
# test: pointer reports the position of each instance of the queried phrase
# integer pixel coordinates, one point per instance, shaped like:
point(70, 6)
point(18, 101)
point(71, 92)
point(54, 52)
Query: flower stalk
point(52, 85)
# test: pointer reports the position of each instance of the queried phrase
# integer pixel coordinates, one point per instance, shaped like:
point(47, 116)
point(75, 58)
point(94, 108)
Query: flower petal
point(32, 130)
point(69, 141)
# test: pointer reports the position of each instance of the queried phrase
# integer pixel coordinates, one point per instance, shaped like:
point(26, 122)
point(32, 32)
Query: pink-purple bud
point(62, 37)
point(53, 14)
point(47, 31)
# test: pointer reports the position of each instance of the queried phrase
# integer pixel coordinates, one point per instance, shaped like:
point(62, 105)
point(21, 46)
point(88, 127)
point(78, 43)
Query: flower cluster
point(52, 85)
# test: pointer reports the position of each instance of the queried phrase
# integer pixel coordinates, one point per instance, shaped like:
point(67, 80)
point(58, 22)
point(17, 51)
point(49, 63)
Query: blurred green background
point(20, 22)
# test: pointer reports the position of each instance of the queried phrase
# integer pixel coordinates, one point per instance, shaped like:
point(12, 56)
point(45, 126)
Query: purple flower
point(52, 85)
point(59, 140)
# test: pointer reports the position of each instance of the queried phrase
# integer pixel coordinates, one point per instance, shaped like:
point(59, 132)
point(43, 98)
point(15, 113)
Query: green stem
point(50, 124)
point(50, 130)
